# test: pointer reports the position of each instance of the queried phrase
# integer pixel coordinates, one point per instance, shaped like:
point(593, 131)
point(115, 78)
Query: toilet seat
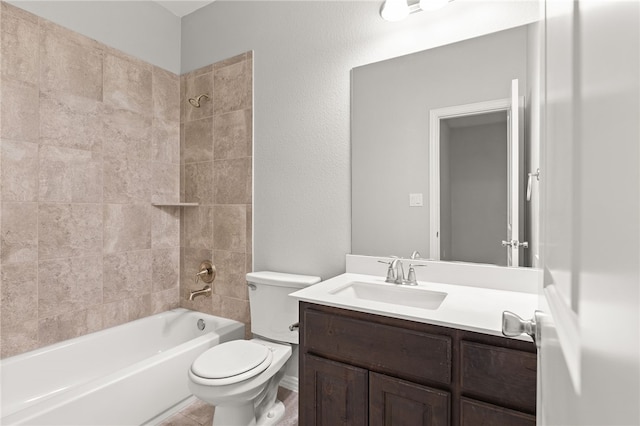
point(232, 362)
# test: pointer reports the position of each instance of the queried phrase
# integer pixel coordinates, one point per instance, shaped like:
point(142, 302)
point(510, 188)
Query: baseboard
point(289, 382)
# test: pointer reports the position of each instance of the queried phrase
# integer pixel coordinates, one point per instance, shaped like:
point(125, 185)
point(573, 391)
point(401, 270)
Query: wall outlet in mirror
point(415, 200)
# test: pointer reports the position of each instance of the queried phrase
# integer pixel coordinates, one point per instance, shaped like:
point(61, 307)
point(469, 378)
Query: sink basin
point(414, 297)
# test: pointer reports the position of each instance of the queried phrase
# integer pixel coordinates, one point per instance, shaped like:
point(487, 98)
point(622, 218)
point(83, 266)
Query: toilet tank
point(272, 310)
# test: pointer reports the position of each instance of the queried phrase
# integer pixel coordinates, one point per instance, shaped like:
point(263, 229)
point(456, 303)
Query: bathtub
point(125, 375)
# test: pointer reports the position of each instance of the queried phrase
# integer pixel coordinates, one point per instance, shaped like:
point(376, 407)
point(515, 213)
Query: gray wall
point(303, 52)
point(140, 28)
point(390, 130)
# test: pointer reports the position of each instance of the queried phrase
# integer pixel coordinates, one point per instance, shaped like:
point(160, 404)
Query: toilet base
point(244, 415)
point(273, 416)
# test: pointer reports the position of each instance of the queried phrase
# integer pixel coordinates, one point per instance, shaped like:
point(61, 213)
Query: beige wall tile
point(165, 300)
point(207, 69)
point(19, 232)
point(249, 265)
point(19, 288)
point(127, 275)
point(70, 284)
point(249, 248)
point(19, 116)
point(127, 180)
point(132, 309)
point(127, 84)
point(165, 183)
point(165, 141)
point(20, 48)
point(229, 228)
point(236, 309)
point(71, 121)
point(69, 62)
point(197, 223)
point(183, 180)
point(7, 10)
point(114, 313)
point(194, 87)
point(230, 279)
point(233, 87)
point(69, 175)
point(233, 181)
point(69, 230)
point(127, 227)
point(18, 338)
point(233, 134)
point(127, 134)
point(19, 164)
point(166, 269)
point(198, 141)
point(199, 183)
point(165, 227)
point(69, 325)
point(166, 95)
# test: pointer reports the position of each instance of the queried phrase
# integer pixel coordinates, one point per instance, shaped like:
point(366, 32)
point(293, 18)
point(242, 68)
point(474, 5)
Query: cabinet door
point(333, 393)
point(396, 402)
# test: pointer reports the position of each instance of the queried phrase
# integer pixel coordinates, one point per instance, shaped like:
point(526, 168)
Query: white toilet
point(240, 378)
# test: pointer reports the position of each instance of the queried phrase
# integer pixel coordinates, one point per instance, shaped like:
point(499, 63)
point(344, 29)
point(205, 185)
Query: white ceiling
point(183, 7)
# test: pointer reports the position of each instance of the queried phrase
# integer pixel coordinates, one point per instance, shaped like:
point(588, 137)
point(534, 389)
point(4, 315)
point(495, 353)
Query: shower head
point(196, 101)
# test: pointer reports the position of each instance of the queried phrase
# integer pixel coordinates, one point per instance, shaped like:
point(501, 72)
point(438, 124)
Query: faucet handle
point(411, 275)
point(207, 272)
point(391, 273)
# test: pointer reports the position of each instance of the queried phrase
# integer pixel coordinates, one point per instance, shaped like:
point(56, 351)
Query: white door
point(513, 244)
point(589, 331)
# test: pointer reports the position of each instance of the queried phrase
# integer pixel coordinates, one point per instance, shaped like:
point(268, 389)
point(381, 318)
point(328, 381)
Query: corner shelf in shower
point(175, 204)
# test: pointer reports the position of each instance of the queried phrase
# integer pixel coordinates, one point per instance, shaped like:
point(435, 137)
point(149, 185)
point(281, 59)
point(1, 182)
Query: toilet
point(241, 377)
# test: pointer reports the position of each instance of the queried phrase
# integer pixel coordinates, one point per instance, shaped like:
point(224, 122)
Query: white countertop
point(465, 307)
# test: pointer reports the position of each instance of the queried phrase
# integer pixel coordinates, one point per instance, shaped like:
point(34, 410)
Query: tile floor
point(201, 414)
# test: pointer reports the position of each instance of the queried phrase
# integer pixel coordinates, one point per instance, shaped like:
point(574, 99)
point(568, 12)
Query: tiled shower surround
point(216, 174)
point(90, 138)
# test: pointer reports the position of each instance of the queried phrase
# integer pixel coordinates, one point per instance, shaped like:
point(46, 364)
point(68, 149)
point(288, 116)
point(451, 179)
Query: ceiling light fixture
point(429, 5)
point(397, 10)
point(394, 10)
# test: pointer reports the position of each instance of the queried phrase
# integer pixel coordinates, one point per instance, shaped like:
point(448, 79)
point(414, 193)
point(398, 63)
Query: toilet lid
point(231, 359)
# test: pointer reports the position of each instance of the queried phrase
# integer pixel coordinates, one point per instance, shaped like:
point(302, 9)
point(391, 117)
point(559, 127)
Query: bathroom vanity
point(358, 369)
point(388, 360)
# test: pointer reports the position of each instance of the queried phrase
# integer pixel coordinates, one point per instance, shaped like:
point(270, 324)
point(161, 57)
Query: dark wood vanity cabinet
point(364, 369)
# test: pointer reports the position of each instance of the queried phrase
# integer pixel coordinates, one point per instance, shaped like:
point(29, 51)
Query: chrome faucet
point(395, 272)
point(397, 264)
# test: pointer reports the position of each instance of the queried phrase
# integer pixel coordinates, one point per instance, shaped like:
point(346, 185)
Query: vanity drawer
point(476, 413)
point(410, 354)
point(500, 375)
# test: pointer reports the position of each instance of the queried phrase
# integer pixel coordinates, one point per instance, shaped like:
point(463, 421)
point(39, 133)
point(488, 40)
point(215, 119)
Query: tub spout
point(206, 291)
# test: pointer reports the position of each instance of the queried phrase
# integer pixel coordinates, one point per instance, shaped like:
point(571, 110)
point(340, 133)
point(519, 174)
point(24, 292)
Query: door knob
point(515, 243)
point(513, 325)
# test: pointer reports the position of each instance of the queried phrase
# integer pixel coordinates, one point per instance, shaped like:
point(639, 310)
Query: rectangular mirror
point(393, 211)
